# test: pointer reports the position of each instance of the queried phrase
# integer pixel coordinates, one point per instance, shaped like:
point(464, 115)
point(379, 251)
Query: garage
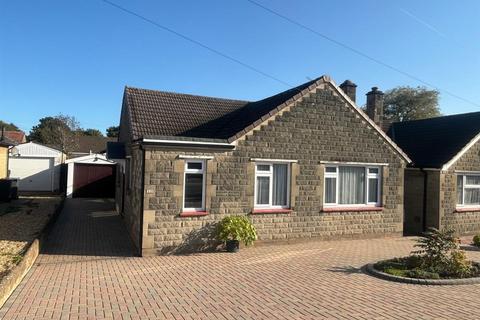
point(36, 167)
point(91, 176)
point(93, 181)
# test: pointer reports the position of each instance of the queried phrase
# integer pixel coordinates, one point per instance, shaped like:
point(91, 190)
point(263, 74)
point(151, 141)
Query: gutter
point(188, 143)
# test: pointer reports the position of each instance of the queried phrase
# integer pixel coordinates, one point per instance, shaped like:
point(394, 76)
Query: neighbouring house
point(90, 176)
point(87, 145)
point(37, 167)
point(5, 144)
point(442, 185)
point(304, 163)
point(17, 136)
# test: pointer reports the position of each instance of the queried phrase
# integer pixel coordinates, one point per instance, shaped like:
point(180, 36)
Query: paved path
point(87, 272)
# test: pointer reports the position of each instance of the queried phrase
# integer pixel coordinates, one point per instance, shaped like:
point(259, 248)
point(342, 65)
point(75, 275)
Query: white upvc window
point(194, 186)
point(468, 190)
point(272, 185)
point(348, 185)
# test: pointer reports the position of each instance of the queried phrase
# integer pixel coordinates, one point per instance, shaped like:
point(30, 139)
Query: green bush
point(236, 228)
point(422, 274)
point(439, 257)
point(476, 240)
point(458, 265)
point(441, 254)
point(435, 248)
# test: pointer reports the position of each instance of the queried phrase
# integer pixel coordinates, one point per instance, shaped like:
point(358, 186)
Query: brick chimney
point(375, 106)
point(350, 89)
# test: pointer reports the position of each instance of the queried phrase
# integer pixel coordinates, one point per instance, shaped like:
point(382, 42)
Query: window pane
point(460, 189)
point(193, 190)
point(330, 169)
point(473, 180)
point(373, 170)
point(263, 190)
point(373, 190)
point(263, 167)
point(194, 165)
point(330, 190)
point(472, 196)
point(280, 181)
point(351, 185)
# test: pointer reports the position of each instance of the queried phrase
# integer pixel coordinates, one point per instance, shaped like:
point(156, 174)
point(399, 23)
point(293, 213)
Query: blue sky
point(75, 57)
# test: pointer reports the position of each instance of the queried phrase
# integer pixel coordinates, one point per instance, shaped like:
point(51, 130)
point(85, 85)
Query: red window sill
point(193, 214)
point(263, 211)
point(351, 209)
point(474, 209)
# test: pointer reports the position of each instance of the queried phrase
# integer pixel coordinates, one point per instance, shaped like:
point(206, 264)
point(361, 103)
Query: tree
point(113, 131)
point(408, 103)
point(8, 126)
point(60, 131)
point(91, 132)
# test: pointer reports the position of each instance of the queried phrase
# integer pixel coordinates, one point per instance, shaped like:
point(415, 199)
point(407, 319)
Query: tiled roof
point(17, 136)
point(85, 144)
point(7, 142)
point(158, 113)
point(431, 143)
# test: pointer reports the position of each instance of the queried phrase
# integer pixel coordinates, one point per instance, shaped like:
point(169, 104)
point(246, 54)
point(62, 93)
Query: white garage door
point(35, 174)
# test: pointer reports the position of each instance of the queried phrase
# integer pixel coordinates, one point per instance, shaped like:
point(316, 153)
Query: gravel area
point(20, 222)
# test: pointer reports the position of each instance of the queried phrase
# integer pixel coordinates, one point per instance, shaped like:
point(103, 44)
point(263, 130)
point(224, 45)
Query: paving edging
point(16, 275)
point(370, 269)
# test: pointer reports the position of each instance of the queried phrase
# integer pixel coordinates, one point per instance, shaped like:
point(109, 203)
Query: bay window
point(352, 185)
point(194, 186)
point(272, 185)
point(468, 190)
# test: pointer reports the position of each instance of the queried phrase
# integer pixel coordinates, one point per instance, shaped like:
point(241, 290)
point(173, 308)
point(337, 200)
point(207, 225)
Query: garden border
point(370, 268)
point(16, 275)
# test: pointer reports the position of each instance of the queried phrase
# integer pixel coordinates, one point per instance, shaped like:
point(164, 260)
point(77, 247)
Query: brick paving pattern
point(87, 271)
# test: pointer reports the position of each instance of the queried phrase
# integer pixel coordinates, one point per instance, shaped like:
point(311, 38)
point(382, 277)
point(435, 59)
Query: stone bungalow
point(442, 185)
point(305, 163)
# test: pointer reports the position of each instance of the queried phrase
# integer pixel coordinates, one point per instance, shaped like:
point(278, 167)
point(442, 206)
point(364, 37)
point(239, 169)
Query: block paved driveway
point(87, 271)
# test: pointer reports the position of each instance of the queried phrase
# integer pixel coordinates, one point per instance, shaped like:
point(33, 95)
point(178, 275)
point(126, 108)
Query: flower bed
point(438, 258)
point(413, 267)
point(20, 223)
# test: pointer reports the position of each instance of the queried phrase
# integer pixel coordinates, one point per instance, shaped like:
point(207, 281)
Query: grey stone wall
point(133, 213)
point(318, 128)
point(465, 222)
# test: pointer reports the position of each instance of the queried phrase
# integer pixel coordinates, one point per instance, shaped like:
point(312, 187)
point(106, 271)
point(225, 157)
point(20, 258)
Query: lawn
point(21, 221)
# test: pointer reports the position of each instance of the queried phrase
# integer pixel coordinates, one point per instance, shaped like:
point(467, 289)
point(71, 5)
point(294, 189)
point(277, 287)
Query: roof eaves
point(129, 103)
point(467, 147)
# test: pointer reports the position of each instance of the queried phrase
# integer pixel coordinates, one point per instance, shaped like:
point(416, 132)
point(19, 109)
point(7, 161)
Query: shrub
point(476, 240)
point(458, 265)
point(422, 274)
point(435, 248)
point(236, 228)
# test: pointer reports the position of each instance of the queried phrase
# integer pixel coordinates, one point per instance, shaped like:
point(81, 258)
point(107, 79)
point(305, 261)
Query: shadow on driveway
point(89, 227)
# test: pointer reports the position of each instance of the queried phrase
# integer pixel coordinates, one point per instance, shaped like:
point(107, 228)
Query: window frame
point(368, 176)
point(194, 171)
point(464, 187)
point(269, 174)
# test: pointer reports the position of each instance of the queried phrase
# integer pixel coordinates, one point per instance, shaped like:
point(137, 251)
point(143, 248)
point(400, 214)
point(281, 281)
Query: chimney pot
point(350, 89)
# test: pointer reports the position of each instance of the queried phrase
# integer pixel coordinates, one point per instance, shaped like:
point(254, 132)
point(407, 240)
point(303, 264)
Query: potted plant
point(234, 229)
